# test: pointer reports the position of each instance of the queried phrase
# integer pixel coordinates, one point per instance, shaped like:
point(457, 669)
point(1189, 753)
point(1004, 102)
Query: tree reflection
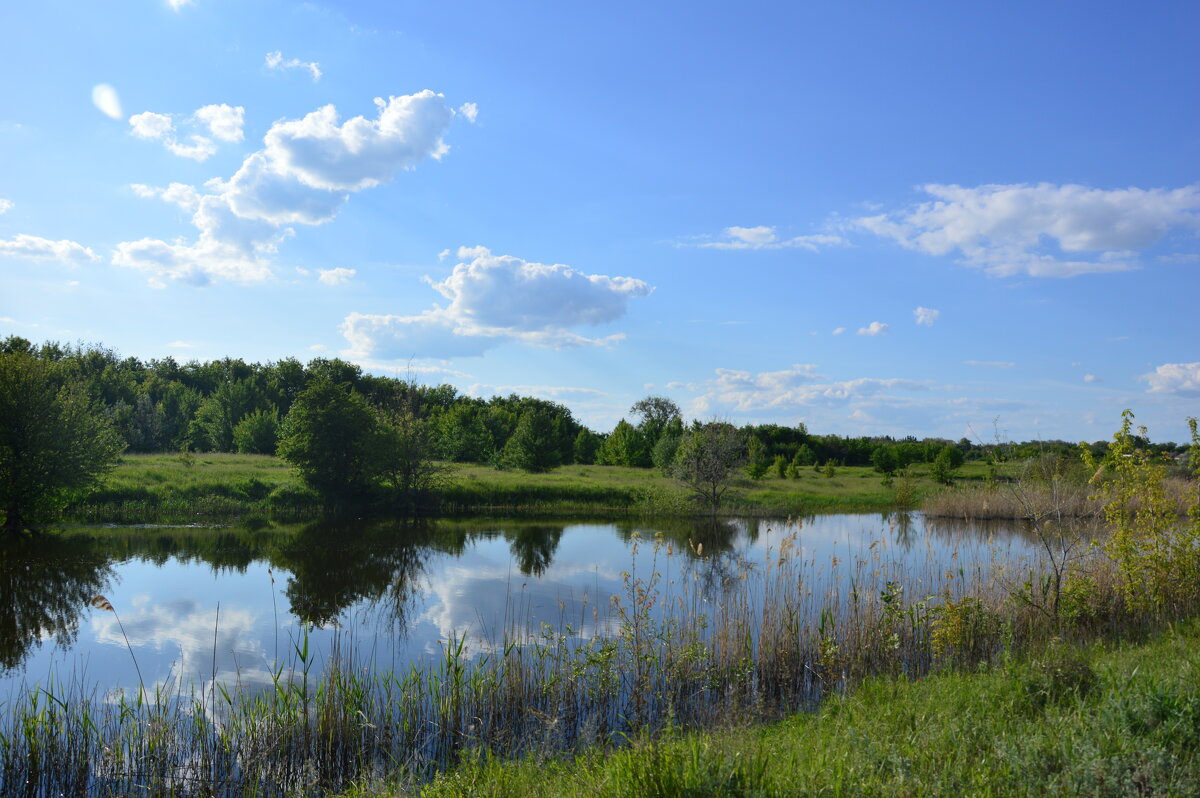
point(334, 566)
point(533, 546)
point(46, 583)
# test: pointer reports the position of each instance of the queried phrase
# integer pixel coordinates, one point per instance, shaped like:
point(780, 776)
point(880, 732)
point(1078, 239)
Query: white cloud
point(1174, 378)
point(182, 345)
point(338, 276)
point(198, 148)
point(149, 125)
point(360, 153)
point(178, 4)
point(275, 60)
point(224, 122)
point(999, 364)
point(303, 176)
point(926, 316)
point(5, 205)
point(469, 111)
point(105, 98)
point(1008, 229)
point(317, 348)
point(838, 330)
point(763, 237)
point(743, 391)
point(497, 298)
point(1090, 378)
point(874, 328)
point(554, 392)
point(35, 248)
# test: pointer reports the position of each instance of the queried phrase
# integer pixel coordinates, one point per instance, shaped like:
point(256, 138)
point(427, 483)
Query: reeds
point(695, 640)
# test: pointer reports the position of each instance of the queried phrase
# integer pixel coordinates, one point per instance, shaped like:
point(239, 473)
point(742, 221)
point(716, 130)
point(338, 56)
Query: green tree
point(258, 432)
point(656, 413)
point(779, 466)
point(756, 458)
point(885, 460)
point(403, 456)
point(623, 447)
point(54, 442)
point(587, 443)
point(533, 446)
point(330, 437)
point(708, 458)
point(944, 466)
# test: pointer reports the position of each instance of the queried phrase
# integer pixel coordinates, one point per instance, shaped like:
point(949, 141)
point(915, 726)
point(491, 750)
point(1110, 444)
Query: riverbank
point(214, 486)
point(1086, 720)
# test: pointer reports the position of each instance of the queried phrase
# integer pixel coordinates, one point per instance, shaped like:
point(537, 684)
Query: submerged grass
point(693, 642)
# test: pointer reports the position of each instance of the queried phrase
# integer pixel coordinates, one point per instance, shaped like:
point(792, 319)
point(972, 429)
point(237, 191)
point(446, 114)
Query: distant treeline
point(230, 405)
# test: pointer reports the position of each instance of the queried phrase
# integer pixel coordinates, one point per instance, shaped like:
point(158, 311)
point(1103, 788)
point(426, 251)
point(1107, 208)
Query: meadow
point(145, 487)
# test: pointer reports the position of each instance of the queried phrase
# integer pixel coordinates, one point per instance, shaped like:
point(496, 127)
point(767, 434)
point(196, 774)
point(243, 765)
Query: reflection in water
point(46, 582)
point(533, 546)
point(407, 586)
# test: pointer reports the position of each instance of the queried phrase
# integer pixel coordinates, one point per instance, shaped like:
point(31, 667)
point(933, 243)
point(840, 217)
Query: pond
point(195, 607)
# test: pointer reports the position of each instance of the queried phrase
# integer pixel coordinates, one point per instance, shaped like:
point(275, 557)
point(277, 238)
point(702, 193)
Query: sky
point(939, 219)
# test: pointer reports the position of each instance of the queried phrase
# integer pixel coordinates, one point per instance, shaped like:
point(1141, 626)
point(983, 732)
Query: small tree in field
point(329, 436)
point(54, 444)
point(707, 459)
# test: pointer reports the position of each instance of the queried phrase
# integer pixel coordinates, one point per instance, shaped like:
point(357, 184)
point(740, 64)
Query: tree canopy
point(54, 442)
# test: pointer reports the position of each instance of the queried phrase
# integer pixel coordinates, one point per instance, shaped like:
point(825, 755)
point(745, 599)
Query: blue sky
point(876, 218)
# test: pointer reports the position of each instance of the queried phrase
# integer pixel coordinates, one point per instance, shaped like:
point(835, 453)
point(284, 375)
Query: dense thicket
point(230, 405)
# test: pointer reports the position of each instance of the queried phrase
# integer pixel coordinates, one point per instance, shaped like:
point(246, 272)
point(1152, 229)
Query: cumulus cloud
point(338, 276)
point(1175, 378)
point(149, 125)
point(498, 298)
point(838, 330)
point(35, 248)
point(743, 391)
point(5, 205)
point(925, 317)
point(1043, 230)
point(361, 152)
point(105, 98)
point(303, 175)
point(275, 60)
point(874, 328)
point(223, 122)
point(1090, 378)
point(469, 111)
point(763, 237)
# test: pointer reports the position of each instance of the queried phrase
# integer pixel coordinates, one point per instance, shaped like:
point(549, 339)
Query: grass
point(156, 486)
point(1068, 720)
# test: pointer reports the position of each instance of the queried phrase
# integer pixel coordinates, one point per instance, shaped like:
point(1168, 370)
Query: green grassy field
point(1065, 721)
point(142, 486)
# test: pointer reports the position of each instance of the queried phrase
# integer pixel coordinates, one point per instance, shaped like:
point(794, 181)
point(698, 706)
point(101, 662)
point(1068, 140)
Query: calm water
point(232, 604)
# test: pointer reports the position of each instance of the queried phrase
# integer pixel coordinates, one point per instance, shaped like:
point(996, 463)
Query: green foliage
point(804, 456)
point(624, 446)
point(587, 443)
point(258, 432)
point(533, 445)
point(657, 414)
point(946, 464)
point(885, 460)
point(1156, 551)
point(779, 466)
point(965, 630)
point(663, 454)
point(830, 469)
point(707, 458)
point(55, 444)
point(330, 437)
point(757, 461)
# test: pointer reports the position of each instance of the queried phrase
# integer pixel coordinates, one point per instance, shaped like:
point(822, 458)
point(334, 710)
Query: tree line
point(348, 432)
